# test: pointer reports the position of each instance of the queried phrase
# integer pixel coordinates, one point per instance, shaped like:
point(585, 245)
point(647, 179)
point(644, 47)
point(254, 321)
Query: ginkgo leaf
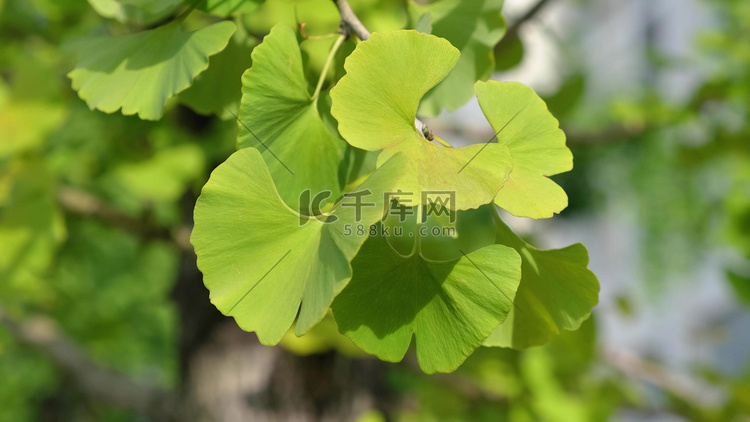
point(260, 259)
point(228, 7)
point(450, 307)
point(557, 292)
point(218, 90)
point(139, 72)
point(536, 144)
point(376, 104)
point(474, 27)
point(280, 118)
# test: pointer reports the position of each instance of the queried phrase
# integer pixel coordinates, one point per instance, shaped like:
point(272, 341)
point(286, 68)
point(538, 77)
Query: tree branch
point(516, 26)
point(680, 385)
point(93, 380)
point(83, 203)
point(350, 23)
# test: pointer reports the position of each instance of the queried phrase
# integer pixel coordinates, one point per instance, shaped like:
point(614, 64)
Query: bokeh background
point(104, 316)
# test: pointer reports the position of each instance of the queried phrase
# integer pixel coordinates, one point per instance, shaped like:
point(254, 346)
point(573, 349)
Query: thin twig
point(90, 378)
point(350, 21)
point(516, 26)
point(680, 385)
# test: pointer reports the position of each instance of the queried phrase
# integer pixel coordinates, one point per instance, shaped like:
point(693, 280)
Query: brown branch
point(350, 23)
point(90, 378)
point(85, 204)
point(680, 385)
point(608, 135)
point(516, 26)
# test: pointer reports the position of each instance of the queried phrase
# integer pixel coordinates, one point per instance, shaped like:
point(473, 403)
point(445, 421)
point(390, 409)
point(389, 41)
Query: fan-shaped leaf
point(219, 88)
point(376, 103)
point(557, 292)
point(260, 259)
point(536, 144)
point(278, 110)
point(139, 72)
point(449, 306)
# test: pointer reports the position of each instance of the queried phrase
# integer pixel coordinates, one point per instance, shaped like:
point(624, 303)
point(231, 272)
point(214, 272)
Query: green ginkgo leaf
point(536, 144)
point(376, 104)
point(557, 292)
point(450, 307)
point(138, 73)
point(474, 27)
point(279, 117)
point(218, 89)
point(261, 260)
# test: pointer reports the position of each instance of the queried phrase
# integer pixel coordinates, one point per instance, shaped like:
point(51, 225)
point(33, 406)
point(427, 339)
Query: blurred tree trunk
point(227, 375)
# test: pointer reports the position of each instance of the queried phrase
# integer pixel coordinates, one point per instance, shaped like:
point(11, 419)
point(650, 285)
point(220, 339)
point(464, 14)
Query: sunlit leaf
point(376, 103)
point(260, 259)
point(280, 118)
point(139, 72)
point(537, 147)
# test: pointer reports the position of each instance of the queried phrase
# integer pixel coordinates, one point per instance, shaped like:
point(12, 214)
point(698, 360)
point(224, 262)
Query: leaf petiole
point(442, 142)
point(336, 45)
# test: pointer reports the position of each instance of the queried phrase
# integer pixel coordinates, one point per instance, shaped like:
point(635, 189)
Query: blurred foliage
point(683, 167)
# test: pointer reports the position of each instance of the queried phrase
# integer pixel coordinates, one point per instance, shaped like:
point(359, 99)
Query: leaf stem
point(442, 142)
point(336, 45)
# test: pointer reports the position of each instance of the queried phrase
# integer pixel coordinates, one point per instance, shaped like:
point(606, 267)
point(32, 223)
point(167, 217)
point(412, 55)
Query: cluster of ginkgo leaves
point(272, 261)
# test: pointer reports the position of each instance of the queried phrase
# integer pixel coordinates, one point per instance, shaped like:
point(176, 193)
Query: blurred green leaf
point(473, 27)
point(508, 53)
point(741, 286)
point(228, 7)
point(31, 230)
point(141, 12)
